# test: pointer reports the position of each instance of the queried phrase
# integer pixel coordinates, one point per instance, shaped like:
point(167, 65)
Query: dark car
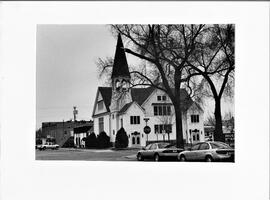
point(208, 151)
point(158, 151)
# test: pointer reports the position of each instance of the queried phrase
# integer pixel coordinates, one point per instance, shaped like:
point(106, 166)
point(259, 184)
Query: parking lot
point(87, 154)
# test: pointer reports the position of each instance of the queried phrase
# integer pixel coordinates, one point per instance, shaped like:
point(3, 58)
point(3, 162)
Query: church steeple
point(120, 66)
point(121, 94)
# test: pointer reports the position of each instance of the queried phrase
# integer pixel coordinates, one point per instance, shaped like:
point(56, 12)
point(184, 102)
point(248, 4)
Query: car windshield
point(219, 145)
point(162, 145)
point(170, 146)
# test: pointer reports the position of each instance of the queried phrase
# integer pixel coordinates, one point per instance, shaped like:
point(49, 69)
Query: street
point(87, 154)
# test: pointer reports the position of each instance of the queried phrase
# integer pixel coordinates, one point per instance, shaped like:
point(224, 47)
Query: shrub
point(69, 142)
point(91, 141)
point(121, 139)
point(103, 140)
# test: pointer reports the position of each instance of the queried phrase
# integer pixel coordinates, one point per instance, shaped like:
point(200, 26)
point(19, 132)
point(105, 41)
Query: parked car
point(208, 151)
point(158, 151)
point(48, 145)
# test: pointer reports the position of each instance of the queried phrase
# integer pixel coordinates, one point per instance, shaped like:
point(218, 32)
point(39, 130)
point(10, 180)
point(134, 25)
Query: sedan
point(157, 151)
point(208, 151)
point(48, 145)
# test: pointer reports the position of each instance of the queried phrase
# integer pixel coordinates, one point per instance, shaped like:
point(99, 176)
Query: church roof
point(106, 93)
point(120, 66)
point(140, 95)
point(125, 107)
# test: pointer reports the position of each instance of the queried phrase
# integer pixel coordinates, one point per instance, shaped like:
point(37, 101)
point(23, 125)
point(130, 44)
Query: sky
point(67, 74)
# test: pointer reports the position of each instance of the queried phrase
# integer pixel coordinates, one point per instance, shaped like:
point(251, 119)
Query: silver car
point(157, 151)
point(208, 151)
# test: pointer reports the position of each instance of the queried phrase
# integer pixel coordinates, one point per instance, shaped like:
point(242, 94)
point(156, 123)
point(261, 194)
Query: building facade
point(62, 131)
point(134, 108)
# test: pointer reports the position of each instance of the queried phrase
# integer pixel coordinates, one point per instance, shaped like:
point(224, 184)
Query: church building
point(134, 108)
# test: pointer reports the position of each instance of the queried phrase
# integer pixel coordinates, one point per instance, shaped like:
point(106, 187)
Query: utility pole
point(75, 112)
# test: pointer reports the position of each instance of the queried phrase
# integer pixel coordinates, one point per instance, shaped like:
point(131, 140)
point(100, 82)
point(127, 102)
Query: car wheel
point(208, 159)
point(44, 148)
point(182, 158)
point(156, 158)
point(139, 157)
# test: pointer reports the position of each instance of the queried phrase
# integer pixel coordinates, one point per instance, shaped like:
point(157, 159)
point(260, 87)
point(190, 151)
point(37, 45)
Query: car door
point(192, 154)
point(146, 153)
point(203, 151)
point(153, 149)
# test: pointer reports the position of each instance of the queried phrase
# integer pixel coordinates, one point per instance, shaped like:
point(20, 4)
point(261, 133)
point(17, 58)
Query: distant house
point(121, 106)
point(227, 128)
point(62, 131)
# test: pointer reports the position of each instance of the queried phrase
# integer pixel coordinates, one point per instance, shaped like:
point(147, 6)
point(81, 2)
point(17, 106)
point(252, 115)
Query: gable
point(133, 106)
point(195, 108)
point(102, 102)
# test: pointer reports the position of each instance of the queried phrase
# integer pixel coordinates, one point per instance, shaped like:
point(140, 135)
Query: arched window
point(117, 84)
point(138, 140)
point(124, 85)
point(133, 140)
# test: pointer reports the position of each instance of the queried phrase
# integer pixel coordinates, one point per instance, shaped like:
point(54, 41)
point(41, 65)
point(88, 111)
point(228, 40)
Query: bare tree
point(214, 60)
point(165, 48)
point(177, 56)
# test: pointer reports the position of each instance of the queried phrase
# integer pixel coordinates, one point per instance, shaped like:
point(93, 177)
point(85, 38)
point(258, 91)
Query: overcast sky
point(67, 75)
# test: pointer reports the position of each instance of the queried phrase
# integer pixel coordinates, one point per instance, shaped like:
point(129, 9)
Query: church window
point(155, 110)
point(162, 110)
point(117, 84)
point(160, 128)
point(100, 105)
point(101, 124)
point(194, 118)
point(124, 85)
point(164, 98)
point(138, 140)
point(134, 119)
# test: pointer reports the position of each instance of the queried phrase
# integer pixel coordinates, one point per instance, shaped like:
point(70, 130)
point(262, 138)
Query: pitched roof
point(120, 66)
point(125, 107)
point(140, 95)
point(106, 93)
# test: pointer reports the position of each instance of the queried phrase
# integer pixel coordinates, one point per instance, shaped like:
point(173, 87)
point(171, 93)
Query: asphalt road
point(87, 154)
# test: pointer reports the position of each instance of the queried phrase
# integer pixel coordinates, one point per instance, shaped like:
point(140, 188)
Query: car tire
point(44, 148)
point(156, 157)
point(139, 157)
point(208, 159)
point(182, 158)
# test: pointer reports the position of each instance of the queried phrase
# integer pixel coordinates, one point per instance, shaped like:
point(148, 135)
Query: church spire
point(120, 66)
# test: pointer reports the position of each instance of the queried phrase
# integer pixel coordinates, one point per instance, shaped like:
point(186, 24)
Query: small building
point(62, 131)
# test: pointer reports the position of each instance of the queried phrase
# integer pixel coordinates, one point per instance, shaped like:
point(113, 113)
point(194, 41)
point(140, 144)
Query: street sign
point(147, 129)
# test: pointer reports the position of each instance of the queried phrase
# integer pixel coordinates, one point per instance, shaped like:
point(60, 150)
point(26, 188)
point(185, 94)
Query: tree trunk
point(218, 134)
point(178, 123)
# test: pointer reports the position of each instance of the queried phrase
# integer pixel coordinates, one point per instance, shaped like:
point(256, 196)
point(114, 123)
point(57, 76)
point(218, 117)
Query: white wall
point(106, 119)
point(193, 110)
point(134, 110)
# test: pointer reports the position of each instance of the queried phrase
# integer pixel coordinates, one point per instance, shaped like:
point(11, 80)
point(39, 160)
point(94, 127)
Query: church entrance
point(135, 139)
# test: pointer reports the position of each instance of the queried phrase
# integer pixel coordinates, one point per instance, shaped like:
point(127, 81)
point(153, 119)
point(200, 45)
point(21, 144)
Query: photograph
point(135, 92)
